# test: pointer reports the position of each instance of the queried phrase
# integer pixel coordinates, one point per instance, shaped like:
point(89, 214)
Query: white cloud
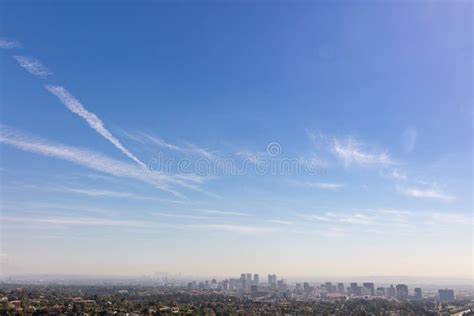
point(242, 229)
point(33, 66)
point(97, 161)
point(251, 157)
point(278, 221)
point(349, 150)
point(320, 218)
point(388, 220)
point(356, 218)
point(181, 216)
point(397, 175)
point(352, 153)
point(103, 192)
point(186, 148)
point(94, 122)
point(41, 208)
point(425, 193)
point(204, 152)
point(218, 212)
point(82, 221)
point(318, 139)
point(329, 186)
point(106, 193)
point(395, 212)
point(318, 185)
point(6, 44)
point(161, 143)
point(129, 135)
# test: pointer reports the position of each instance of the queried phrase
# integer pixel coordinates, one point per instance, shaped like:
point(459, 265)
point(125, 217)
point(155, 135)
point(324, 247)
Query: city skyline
point(251, 282)
point(231, 295)
point(210, 139)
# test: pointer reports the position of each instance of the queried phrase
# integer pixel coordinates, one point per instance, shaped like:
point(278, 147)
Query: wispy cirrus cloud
point(317, 185)
point(252, 157)
point(94, 122)
point(318, 139)
point(36, 68)
point(105, 193)
point(185, 148)
point(160, 142)
point(395, 212)
point(101, 192)
point(98, 162)
point(180, 216)
point(33, 66)
point(6, 44)
point(352, 152)
point(327, 185)
point(133, 223)
point(279, 222)
point(219, 212)
point(349, 150)
point(82, 221)
point(356, 218)
point(396, 175)
point(234, 228)
point(200, 151)
point(430, 193)
point(396, 218)
point(42, 208)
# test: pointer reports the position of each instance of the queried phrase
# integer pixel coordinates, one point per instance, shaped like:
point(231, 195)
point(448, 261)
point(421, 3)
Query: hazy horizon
point(206, 138)
point(181, 277)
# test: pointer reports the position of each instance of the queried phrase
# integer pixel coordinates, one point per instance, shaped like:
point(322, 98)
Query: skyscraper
point(272, 280)
point(256, 279)
point(328, 287)
point(298, 289)
point(243, 281)
point(391, 291)
point(402, 291)
point(418, 293)
point(281, 285)
point(226, 285)
point(370, 286)
point(380, 291)
point(308, 290)
point(340, 288)
point(446, 295)
point(354, 289)
point(249, 280)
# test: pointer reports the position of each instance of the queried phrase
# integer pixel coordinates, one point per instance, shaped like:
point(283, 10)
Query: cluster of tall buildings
point(274, 283)
point(365, 289)
point(251, 283)
point(246, 281)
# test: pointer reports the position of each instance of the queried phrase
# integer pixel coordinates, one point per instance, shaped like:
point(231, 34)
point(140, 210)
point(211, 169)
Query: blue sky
point(370, 104)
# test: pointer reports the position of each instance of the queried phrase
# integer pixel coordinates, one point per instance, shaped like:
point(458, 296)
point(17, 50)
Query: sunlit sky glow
point(298, 138)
